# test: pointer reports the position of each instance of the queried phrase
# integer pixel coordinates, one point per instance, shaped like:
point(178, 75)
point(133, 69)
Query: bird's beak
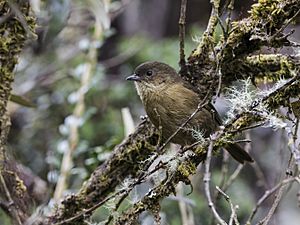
point(134, 77)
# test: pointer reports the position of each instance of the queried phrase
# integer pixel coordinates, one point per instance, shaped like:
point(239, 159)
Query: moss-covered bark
point(12, 38)
point(127, 160)
point(15, 15)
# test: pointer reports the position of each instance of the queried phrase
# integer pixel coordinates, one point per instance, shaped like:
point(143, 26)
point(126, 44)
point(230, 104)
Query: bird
point(169, 101)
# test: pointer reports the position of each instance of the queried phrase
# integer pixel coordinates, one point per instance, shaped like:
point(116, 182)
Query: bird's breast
point(169, 107)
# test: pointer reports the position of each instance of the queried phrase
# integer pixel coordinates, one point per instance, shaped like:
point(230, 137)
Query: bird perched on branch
point(169, 101)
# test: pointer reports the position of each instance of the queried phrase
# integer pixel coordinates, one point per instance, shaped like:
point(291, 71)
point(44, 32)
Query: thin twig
point(224, 171)
point(285, 25)
point(10, 200)
point(206, 181)
point(248, 127)
point(278, 197)
point(293, 147)
point(266, 195)
point(210, 29)
point(233, 216)
point(181, 23)
point(219, 57)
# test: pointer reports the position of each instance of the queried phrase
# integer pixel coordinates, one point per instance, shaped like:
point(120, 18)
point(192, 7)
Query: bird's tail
point(238, 153)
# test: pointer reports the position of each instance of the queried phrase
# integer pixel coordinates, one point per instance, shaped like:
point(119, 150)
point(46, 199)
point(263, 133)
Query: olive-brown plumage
point(169, 101)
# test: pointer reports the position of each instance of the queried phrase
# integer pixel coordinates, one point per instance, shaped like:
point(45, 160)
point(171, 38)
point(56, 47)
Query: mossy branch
point(262, 68)
point(264, 27)
point(127, 160)
point(190, 163)
point(14, 27)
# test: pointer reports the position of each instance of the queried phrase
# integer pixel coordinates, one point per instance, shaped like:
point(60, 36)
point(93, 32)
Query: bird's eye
point(149, 72)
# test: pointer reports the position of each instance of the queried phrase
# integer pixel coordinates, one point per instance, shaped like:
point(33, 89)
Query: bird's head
point(154, 75)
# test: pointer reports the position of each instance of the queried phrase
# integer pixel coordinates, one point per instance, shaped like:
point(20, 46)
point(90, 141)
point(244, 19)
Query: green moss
point(200, 150)
point(187, 168)
point(267, 68)
point(12, 38)
point(282, 98)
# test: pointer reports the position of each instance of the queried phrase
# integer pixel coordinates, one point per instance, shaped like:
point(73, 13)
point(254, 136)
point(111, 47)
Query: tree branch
point(16, 22)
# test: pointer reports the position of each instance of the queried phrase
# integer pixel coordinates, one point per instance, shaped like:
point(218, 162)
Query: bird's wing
point(209, 106)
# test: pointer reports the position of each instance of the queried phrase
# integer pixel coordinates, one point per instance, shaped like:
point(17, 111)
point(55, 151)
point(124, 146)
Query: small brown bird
point(169, 101)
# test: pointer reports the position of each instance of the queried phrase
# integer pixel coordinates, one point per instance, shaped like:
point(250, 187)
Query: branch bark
point(15, 27)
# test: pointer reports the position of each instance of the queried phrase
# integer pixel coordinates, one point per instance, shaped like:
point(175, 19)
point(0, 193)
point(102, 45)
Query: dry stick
point(213, 21)
point(181, 23)
point(206, 181)
point(279, 186)
point(278, 197)
point(233, 216)
point(266, 195)
point(229, 5)
point(224, 174)
point(10, 200)
point(294, 149)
